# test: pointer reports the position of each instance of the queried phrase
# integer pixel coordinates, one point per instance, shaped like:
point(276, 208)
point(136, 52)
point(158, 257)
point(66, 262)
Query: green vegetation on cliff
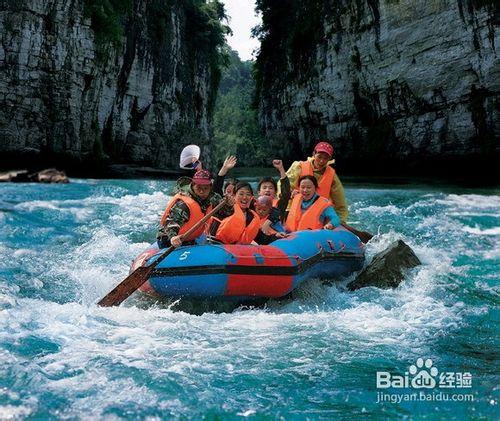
point(236, 128)
point(203, 24)
point(206, 33)
point(183, 42)
point(107, 21)
point(203, 36)
point(289, 31)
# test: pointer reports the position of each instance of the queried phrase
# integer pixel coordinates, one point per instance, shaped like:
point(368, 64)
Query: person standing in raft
point(309, 210)
point(329, 185)
point(186, 208)
point(244, 224)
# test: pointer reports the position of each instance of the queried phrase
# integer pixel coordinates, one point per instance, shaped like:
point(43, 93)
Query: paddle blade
point(127, 287)
point(363, 235)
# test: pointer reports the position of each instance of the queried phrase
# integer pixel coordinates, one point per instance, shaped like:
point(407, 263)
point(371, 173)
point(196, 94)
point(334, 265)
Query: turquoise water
point(62, 247)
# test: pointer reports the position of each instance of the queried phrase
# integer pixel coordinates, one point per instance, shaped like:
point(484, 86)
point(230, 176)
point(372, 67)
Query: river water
point(62, 247)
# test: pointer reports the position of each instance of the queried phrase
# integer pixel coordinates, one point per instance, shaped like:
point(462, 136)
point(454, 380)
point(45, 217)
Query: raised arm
point(278, 164)
point(228, 164)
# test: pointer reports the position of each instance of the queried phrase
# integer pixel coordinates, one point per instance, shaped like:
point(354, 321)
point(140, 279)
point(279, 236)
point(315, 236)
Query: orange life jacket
point(310, 219)
point(195, 214)
point(326, 180)
point(275, 202)
point(233, 229)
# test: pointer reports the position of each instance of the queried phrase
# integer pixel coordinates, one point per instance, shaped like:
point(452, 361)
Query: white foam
point(474, 214)
point(7, 301)
point(247, 413)
point(478, 231)
point(494, 290)
point(470, 201)
point(38, 204)
point(22, 252)
point(140, 207)
point(100, 263)
point(80, 213)
point(379, 210)
point(11, 412)
point(439, 224)
point(492, 254)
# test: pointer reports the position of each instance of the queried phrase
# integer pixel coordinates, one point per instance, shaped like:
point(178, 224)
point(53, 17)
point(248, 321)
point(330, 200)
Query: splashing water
point(62, 247)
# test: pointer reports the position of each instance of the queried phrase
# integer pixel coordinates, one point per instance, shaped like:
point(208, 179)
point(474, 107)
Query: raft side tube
point(247, 271)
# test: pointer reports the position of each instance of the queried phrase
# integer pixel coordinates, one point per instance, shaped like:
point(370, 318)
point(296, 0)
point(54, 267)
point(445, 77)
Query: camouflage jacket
point(179, 215)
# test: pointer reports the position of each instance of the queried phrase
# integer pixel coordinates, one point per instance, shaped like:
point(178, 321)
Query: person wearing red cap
point(186, 208)
point(329, 184)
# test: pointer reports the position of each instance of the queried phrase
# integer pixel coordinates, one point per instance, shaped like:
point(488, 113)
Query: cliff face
point(78, 83)
point(392, 83)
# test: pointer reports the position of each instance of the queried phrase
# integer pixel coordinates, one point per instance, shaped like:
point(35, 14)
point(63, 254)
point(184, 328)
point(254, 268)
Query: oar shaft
point(203, 220)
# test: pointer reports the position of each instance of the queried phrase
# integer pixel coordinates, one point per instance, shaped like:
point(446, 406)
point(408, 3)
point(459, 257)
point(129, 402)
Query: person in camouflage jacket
point(200, 190)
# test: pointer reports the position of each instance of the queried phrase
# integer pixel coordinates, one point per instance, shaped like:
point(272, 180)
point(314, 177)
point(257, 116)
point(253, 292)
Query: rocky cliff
point(86, 81)
point(394, 84)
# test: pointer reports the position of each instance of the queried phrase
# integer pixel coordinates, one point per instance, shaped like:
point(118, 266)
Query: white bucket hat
point(189, 155)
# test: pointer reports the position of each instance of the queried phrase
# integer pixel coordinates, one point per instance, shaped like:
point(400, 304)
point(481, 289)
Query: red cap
point(202, 177)
point(324, 147)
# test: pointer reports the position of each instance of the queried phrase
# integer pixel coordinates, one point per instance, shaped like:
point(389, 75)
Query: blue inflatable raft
point(245, 272)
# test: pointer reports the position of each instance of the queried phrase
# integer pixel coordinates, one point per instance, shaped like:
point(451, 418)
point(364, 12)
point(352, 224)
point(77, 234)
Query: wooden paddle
point(139, 276)
point(363, 235)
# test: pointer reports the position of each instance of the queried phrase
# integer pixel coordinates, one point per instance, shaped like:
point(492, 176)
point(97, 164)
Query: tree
point(236, 128)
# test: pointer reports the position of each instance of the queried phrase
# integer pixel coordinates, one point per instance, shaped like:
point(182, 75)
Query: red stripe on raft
point(258, 285)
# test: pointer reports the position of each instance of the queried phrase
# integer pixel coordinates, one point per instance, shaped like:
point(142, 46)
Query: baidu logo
point(423, 375)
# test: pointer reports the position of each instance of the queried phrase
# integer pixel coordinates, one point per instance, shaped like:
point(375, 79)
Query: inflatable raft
point(245, 272)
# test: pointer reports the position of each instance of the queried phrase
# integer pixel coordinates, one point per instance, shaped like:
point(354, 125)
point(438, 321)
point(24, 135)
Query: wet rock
point(50, 175)
point(14, 176)
point(387, 269)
